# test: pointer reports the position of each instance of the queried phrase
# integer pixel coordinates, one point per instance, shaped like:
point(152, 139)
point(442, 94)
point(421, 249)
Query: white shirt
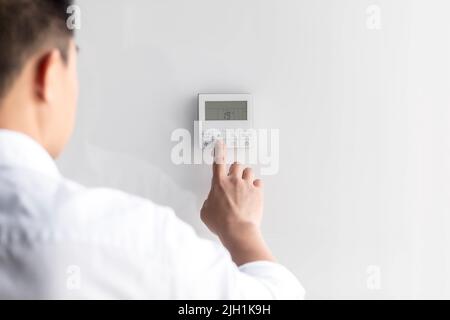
point(59, 240)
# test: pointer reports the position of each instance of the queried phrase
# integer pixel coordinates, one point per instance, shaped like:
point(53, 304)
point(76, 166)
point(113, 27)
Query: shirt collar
point(21, 151)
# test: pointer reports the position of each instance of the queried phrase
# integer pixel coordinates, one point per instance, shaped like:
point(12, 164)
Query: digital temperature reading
point(225, 110)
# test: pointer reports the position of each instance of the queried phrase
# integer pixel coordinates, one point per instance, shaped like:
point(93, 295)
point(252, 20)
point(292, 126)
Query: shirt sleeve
point(203, 269)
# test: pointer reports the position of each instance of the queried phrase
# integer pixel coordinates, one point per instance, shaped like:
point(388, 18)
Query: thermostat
point(226, 117)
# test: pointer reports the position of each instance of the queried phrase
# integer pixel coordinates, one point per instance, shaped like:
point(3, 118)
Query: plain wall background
point(363, 117)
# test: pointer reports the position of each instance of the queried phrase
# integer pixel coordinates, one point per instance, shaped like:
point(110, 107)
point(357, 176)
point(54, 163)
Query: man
point(61, 240)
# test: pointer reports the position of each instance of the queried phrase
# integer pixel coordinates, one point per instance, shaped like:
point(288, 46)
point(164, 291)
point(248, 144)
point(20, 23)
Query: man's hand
point(233, 210)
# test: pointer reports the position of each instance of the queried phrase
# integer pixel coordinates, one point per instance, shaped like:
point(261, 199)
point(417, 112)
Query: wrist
point(245, 243)
point(236, 233)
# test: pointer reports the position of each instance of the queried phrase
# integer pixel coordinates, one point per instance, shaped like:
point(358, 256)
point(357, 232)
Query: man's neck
point(16, 116)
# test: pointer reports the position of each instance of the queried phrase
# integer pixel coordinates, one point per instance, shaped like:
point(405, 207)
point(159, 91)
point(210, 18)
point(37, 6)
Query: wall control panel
point(226, 117)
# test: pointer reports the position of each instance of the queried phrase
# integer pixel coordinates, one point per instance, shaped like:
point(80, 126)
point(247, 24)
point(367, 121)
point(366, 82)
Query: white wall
point(365, 148)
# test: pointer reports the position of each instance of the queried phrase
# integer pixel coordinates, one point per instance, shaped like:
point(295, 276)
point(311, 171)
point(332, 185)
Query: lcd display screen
point(226, 110)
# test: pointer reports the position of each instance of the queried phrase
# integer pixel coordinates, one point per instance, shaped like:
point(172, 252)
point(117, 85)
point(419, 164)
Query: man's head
point(38, 80)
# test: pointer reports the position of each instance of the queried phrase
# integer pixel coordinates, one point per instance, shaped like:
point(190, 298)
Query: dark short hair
point(27, 26)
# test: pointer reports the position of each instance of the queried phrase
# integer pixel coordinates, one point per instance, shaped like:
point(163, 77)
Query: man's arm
point(245, 268)
point(202, 269)
point(233, 210)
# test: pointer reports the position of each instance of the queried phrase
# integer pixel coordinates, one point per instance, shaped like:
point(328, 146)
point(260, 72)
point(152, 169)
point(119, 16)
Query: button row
point(236, 139)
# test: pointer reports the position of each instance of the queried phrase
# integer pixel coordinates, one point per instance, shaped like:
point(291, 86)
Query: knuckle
point(235, 167)
point(234, 180)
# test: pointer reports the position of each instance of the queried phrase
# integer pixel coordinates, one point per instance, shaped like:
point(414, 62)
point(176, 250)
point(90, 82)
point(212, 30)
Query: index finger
point(220, 157)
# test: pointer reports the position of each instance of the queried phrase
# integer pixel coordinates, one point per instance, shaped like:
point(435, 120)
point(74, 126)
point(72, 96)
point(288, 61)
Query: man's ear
point(47, 72)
